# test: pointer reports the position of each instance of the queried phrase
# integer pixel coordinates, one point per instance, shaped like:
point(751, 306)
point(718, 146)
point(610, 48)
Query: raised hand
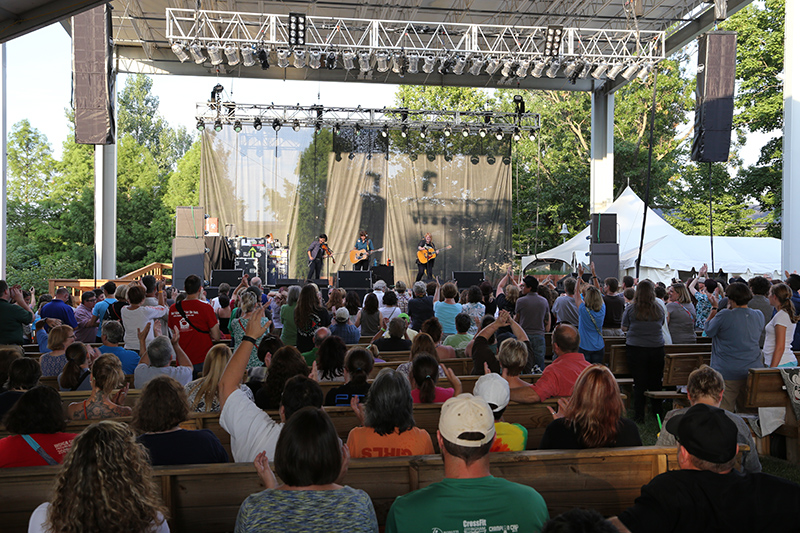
point(264, 471)
point(358, 408)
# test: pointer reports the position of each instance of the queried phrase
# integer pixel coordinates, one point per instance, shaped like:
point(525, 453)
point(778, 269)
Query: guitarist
point(425, 268)
point(363, 243)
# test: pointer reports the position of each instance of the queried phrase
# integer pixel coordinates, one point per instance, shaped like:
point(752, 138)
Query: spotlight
point(447, 65)
point(474, 160)
point(315, 59)
point(358, 129)
point(538, 68)
point(573, 67)
point(215, 54)
point(430, 63)
point(338, 156)
point(330, 61)
point(385, 132)
point(517, 135)
point(179, 51)
point(197, 53)
point(336, 128)
point(413, 63)
point(216, 91)
point(412, 157)
point(218, 125)
point(232, 55)
point(351, 156)
point(465, 132)
point(296, 125)
point(423, 131)
point(490, 159)
point(522, 69)
point(498, 134)
point(299, 58)
point(431, 157)
point(317, 127)
point(555, 66)
point(506, 160)
point(532, 134)
point(448, 157)
point(598, 72)
point(586, 70)
point(508, 67)
point(447, 131)
point(552, 42)
point(399, 64)
point(263, 58)
point(276, 125)
point(482, 132)
point(283, 58)
point(461, 64)
point(200, 124)
point(614, 71)
point(237, 126)
point(364, 61)
point(297, 29)
point(347, 60)
point(382, 61)
point(645, 72)
point(492, 66)
point(404, 131)
point(631, 71)
point(477, 65)
point(248, 55)
point(257, 124)
point(519, 104)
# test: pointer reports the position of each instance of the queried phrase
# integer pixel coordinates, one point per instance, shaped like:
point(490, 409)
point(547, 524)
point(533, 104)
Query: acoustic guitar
point(429, 253)
point(360, 255)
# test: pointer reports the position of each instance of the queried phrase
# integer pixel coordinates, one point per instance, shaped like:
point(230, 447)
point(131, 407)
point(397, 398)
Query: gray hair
point(320, 335)
point(293, 294)
point(389, 405)
point(420, 289)
point(113, 331)
point(160, 351)
point(255, 281)
point(380, 285)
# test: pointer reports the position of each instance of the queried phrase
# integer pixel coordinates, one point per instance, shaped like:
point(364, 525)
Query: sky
point(39, 89)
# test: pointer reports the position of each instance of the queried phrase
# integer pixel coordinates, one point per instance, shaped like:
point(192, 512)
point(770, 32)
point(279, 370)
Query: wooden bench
point(68, 397)
point(206, 498)
point(618, 363)
point(765, 388)
point(677, 368)
point(52, 381)
point(462, 366)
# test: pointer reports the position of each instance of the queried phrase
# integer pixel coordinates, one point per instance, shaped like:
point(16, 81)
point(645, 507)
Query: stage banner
point(299, 184)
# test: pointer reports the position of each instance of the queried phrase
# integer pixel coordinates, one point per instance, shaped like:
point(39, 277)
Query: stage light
point(276, 125)
point(364, 61)
point(317, 127)
point(474, 160)
point(263, 58)
point(358, 129)
point(508, 66)
point(404, 131)
point(522, 69)
point(299, 58)
point(337, 128)
point(447, 64)
point(297, 29)
point(492, 66)
point(347, 60)
point(477, 65)
point(200, 125)
point(283, 58)
point(248, 55)
point(232, 55)
point(218, 125)
point(465, 132)
point(506, 160)
point(385, 132)
point(296, 125)
point(315, 59)
point(351, 156)
point(215, 54)
point(412, 157)
point(448, 157)
point(482, 132)
point(519, 104)
point(431, 157)
point(413, 63)
point(498, 134)
point(631, 71)
point(447, 131)
point(430, 63)
point(399, 64)
point(257, 124)
point(338, 156)
point(330, 61)
point(490, 159)
point(538, 68)
point(573, 67)
point(517, 135)
point(216, 91)
point(555, 66)
point(586, 70)
point(382, 61)
point(461, 64)
point(179, 51)
point(614, 71)
point(532, 134)
point(598, 72)
point(237, 126)
point(423, 131)
point(197, 53)
point(553, 40)
point(645, 72)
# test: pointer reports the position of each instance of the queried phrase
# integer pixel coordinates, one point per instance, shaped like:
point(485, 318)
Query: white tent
point(666, 250)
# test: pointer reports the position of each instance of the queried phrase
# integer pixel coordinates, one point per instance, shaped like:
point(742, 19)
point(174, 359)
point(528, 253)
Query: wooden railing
point(79, 286)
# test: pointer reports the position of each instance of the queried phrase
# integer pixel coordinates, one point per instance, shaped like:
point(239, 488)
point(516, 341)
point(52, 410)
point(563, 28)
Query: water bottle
point(374, 262)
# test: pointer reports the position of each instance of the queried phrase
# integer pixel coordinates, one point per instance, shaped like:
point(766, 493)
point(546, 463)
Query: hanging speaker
point(716, 78)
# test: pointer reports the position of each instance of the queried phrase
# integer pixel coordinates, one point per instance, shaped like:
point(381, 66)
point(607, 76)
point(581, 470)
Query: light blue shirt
point(446, 313)
point(591, 336)
point(99, 310)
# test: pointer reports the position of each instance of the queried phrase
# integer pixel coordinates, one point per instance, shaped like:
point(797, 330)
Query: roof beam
point(43, 15)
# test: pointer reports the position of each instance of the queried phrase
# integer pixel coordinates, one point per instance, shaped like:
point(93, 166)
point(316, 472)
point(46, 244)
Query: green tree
point(30, 164)
point(183, 184)
point(729, 218)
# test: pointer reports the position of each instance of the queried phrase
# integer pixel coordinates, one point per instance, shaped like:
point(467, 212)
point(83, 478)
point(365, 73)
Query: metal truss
point(233, 114)
point(456, 47)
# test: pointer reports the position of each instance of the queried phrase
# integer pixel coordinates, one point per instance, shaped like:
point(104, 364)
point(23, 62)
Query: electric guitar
point(429, 253)
point(360, 255)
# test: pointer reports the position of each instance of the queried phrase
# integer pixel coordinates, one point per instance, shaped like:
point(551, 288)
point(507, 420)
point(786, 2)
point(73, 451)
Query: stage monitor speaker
point(93, 76)
point(212, 292)
point(466, 279)
point(288, 282)
point(354, 279)
point(190, 221)
point(188, 256)
point(605, 257)
point(362, 293)
point(716, 81)
point(230, 276)
point(323, 288)
point(384, 272)
point(604, 227)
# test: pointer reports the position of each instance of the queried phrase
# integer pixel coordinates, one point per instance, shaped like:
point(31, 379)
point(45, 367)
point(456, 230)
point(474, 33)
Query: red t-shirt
point(15, 451)
point(559, 377)
point(440, 396)
point(202, 316)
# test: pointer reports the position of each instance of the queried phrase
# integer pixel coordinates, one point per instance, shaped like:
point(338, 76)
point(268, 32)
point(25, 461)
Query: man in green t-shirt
point(469, 499)
point(14, 313)
point(460, 340)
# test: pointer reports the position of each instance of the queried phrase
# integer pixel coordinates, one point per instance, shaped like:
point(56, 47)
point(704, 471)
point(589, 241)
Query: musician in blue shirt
point(363, 243)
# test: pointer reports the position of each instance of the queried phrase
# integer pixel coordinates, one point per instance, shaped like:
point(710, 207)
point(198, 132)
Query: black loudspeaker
point(247, 265)
point(384, 272)
point(231, 277)
point(288, 282)
point(716, 80)
point(362, 293)
point(92, 57)
point(354, 279)
point(190, 222)
point(466, 279)
point(605, 257)
point(188, 257)
point(323, 288)
point(212, 292)
point(604, 227)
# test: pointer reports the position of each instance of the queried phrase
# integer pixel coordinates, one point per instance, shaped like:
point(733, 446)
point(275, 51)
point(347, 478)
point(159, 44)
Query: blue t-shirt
point(446, 313)
point(99, 310)
point(734, 341)
point(364, 245)
point(591, 332)
point(60, 310)
point(128, 358)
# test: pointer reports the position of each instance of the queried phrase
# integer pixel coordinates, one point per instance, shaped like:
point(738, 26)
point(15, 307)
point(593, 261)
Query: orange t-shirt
point(364, 442)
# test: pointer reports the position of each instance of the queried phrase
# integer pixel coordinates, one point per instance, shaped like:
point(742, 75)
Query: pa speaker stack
point(188, 246)
point(604, 247)
point(359, 281)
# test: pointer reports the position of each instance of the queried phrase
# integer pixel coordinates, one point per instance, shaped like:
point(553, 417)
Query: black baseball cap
point(706, 432)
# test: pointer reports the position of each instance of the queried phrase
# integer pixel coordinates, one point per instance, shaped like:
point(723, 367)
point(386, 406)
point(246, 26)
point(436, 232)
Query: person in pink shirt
point(86, 331)
point(424, 375)
point(559, 376)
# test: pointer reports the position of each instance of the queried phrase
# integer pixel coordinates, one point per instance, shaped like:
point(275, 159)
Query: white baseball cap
point(466, 414)
point(494, 389)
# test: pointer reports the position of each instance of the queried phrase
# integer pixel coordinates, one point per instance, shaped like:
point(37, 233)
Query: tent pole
point(710, 218)
point(649, 167)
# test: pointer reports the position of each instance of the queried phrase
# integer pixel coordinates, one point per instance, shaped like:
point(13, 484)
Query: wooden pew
point(206, 498)
point(462, 366)
point(765, 388)
point(68, 397)
point(618, 363)
point(677, 368)
point(31, 348)
point(52, 381)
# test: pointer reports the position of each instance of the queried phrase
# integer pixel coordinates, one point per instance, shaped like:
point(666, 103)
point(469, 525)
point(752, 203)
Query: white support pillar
point(602, 156)
point(105, 211)
point(3, 163)
point(790, 219)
